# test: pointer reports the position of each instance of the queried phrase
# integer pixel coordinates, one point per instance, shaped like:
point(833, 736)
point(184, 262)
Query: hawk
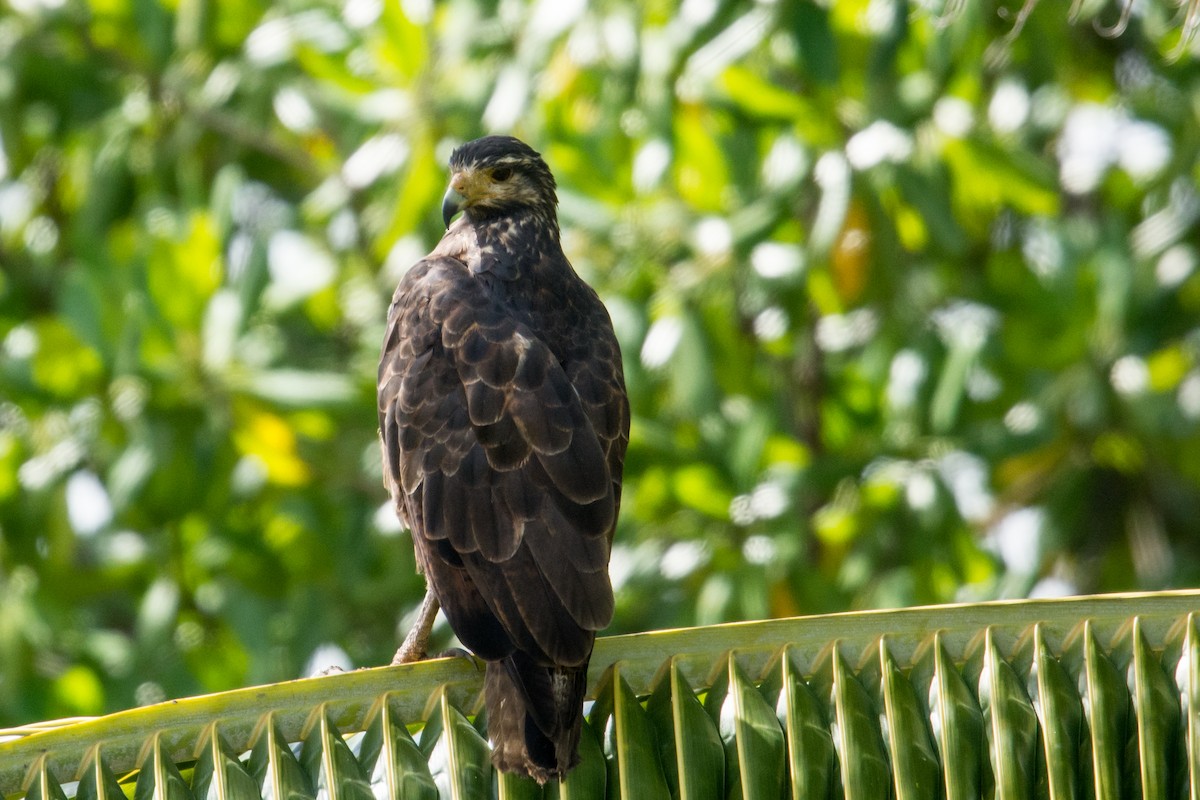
point(504, 422)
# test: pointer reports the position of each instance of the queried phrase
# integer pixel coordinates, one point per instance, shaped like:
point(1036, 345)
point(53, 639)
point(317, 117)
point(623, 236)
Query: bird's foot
point(458, 652)
point(410, 652)
point(332, 669)
point(455, 652)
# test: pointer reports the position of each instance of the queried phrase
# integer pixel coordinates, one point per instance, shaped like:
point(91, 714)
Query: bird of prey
point(504, 422)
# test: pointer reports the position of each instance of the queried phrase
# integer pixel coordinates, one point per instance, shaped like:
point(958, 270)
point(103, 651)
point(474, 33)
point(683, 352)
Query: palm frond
point(1095, 697)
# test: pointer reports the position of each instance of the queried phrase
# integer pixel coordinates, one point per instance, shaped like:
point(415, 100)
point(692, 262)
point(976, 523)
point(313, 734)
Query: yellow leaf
point(880, 493)
point(1167, 368)
point(651, 495)
point(699, 486)
point(79, 692)
point(323, 308)
point(272, 441)
point(282, 532)
point(781, 449)
point(852, 255)
point(761, 97)
point(911, 228)
point(184, 271)
point(313, 425)
point(10, 460)
point(700, 171)
point(835, 525)
point(62, 363)
point(977, 566)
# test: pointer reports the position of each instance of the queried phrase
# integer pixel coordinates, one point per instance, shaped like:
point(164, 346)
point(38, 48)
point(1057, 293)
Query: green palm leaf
point(1059, 699)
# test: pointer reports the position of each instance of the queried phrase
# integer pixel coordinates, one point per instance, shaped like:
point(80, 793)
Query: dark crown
point(491, 149)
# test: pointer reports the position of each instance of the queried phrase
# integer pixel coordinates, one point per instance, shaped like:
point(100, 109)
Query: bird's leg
point(416, 643)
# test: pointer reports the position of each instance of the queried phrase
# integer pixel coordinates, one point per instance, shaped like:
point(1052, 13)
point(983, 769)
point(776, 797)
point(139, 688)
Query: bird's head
point(495, 176)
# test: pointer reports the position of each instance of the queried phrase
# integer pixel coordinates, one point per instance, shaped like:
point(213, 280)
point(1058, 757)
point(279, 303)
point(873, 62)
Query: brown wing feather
point(502, 464)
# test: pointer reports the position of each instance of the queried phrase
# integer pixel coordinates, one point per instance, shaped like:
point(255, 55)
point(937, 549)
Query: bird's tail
point(534, 716)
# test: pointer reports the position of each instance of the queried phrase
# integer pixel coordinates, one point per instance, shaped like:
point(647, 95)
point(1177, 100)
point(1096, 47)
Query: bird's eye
point(501, 174)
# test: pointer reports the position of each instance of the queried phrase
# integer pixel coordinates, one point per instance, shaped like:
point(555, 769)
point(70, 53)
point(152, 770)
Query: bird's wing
point(502, 476)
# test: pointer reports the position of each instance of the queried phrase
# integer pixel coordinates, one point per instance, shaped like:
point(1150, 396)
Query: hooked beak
point(452, 203)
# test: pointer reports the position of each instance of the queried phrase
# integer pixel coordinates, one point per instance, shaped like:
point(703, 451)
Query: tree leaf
point(158, 776)
point(1010, 722)
point(864, 767)
point(219, 775)
point(331, 766)
point(812, 762)
point(957, 724)
point(1106, 712)
point(693, 756)
point(914, 762)
point(395, 765)
point(1061, 716)
point(630, 747)
point(459, 758)
point(275, 768)
point(1156, 713)
point(755, 749)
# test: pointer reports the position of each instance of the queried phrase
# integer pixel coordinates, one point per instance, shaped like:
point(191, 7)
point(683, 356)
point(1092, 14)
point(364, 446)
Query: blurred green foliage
point(907, 294)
